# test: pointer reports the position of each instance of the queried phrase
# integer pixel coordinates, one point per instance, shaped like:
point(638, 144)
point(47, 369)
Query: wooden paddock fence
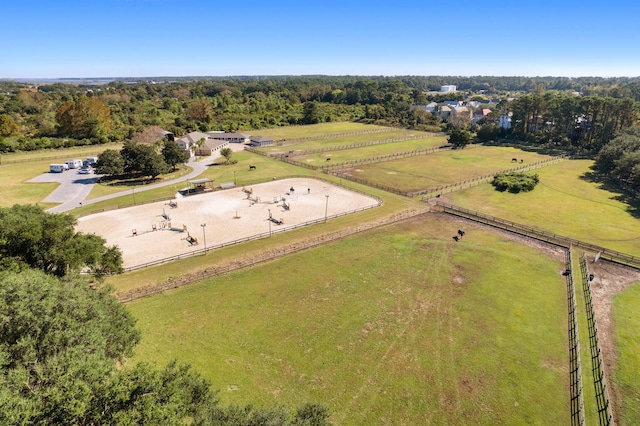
point(266, 256)
point(603, 402)
point(575, 365)
point(359, 162)
point(298, 153)
point(468, 183)
point(286, 142)
point(444, 189)
point(539, 234)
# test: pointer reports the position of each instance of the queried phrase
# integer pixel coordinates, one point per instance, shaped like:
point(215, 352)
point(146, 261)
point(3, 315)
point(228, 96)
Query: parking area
point(73, 185)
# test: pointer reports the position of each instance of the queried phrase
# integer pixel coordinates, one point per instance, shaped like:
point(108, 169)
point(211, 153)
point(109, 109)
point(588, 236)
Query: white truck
point(57, 168)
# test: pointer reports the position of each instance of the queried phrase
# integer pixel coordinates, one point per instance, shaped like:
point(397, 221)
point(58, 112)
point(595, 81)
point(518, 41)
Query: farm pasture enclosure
point(336, 156)
point(397, 325)
point(441, 168)
point(229, 215)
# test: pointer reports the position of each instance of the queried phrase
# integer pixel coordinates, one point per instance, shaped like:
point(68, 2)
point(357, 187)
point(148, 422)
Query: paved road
point(74, 187)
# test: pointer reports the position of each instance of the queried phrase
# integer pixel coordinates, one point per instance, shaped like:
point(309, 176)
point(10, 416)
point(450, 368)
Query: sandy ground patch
point(229, 215)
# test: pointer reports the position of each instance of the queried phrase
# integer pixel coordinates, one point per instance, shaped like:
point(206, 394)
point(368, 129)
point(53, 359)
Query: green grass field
point(57, 154)
point(442, 168)
point(627, 336)
point(320, 159)
point(16, 190)
point(388, 342)
point(322, 129)
point(345, 140)
point(400, 325)
point(563, 203)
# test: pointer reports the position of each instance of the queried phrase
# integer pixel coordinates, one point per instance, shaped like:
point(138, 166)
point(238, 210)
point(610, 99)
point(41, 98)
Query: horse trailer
point(74, 164)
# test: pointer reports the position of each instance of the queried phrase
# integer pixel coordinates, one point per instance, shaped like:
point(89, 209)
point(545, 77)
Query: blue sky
point(138, 38)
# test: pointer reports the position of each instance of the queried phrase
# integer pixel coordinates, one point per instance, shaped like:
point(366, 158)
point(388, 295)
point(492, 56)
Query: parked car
point(84, 171)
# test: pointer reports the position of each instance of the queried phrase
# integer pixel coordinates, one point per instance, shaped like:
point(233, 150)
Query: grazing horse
point(252, 167)
point(461, 233)
point(328, 159)
point(514, 160)
point(455, 237)
point(521, 160)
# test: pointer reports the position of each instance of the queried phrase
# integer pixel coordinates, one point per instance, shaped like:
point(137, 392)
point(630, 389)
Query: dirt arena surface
point(229, 215)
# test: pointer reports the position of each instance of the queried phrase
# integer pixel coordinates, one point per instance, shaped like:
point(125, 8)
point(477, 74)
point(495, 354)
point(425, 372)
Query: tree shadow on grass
point(542, 149)
point(607, 184)
point(127, 180)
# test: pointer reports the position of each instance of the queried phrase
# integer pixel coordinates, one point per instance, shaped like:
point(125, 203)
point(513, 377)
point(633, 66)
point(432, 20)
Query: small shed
point(197, 186)
point(259, 141)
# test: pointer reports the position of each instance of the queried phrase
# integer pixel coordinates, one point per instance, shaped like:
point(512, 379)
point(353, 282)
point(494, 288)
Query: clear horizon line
point(310, 75)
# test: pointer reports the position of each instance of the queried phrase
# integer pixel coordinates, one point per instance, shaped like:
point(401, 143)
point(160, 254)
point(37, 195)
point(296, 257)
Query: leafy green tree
point(199, 144)
point(488, 132)
point(61, 343)
point(143, 159)
point(311, 113)
point(110, 162)
point(173, 154)
point(50, 243)
point(625, 143)
point(62, 346)
point(8, 126)
point(88, 117)
point(200, 111)
point(418, 97)
point(515, 182)
point(154, 165)
point(226, 153)
point(459, 138)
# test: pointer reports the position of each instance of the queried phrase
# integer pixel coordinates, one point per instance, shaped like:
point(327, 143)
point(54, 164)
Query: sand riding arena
point(151, 233)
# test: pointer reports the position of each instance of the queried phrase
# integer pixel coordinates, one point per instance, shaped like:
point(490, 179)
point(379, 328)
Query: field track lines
point(367, 379)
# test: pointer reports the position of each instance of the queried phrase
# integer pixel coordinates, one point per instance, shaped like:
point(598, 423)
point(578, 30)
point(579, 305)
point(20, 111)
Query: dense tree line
point(583, 122)
point(138, 159)
point(64, 115)
point(65, 341)
point(620, 159)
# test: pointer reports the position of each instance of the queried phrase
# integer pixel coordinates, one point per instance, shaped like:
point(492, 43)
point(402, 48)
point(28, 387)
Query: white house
point(189, 142)
point(505, 121)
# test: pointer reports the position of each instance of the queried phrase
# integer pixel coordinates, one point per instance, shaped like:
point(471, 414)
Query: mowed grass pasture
point(249, 332)
point(627, 336)
point(314, 130)
point(391, 148)
point(399, 325)
point(441, 168)
point(564, 203)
